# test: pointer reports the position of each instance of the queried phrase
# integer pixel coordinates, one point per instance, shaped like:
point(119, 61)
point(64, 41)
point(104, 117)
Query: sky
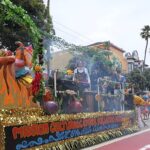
point(84, 22)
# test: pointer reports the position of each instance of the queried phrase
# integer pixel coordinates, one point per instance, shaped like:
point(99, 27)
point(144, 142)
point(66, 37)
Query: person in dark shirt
point(94, 77)
point(129, 103)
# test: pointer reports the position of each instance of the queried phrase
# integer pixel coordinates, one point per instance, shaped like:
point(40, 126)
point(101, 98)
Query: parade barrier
point(29, 128)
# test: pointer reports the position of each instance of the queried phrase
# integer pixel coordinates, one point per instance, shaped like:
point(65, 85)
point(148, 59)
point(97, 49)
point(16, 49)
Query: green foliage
point(137, 79)
point(94, 58)
point(146, 74)
point(104, 57)
point(24, 21)
point(17, 16)
point(145, 34)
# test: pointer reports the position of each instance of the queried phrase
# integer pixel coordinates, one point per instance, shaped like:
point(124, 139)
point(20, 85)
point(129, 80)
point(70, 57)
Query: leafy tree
point(19, 16)
point(146, 74)
point(12, 18)
point(93, 58)
point(145, 34)
point(137, 79)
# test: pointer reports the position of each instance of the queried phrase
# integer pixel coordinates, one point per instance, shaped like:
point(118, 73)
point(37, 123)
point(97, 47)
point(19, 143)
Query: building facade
point(61, 59)
point(134, 62)
point(117, 52)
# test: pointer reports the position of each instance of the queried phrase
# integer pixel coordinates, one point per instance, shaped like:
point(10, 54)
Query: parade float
point(30, 113)
point(30, 120)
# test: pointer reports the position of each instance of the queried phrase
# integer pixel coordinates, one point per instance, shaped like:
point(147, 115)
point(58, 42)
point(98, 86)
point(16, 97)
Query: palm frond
point(145, 34)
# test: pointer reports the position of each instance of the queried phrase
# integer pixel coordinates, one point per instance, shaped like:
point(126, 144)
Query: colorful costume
point(23, 60)
point(82, 79)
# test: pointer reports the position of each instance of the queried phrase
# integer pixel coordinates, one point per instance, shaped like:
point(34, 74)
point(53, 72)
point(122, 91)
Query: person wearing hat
point(82, 80)
point(81, 75)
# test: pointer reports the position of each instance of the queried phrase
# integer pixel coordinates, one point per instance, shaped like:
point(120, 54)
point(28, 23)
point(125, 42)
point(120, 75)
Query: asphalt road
point(136, 141)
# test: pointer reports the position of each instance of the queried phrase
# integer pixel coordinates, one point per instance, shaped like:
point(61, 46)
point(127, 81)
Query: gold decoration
point(20, 116)
point(69, 72)
point(37, 68)
point(29, 116)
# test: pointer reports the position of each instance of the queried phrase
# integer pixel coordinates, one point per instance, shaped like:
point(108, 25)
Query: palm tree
point(145, 34)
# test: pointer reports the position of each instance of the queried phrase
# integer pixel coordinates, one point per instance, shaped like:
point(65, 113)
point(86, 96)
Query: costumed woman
point(82, 79)
point(23, 60)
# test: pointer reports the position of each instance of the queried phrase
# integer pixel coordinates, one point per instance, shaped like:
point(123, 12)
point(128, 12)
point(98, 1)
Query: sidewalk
point(117, 139)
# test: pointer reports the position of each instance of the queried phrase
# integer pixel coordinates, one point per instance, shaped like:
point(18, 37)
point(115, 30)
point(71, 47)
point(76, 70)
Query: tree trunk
point(145, 54)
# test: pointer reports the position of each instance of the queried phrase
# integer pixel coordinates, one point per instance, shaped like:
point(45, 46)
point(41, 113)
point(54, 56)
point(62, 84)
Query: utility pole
point(47, 43)
point(48, 54)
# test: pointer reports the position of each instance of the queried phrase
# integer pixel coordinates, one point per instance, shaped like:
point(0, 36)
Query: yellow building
point(117, 52)
point(60, 59)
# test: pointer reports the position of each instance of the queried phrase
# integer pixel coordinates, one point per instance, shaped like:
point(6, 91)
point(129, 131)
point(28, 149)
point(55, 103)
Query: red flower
point(36, 83)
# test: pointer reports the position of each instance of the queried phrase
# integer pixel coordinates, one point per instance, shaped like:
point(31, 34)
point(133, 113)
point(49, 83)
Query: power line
point(71, 35)
point(68, 28)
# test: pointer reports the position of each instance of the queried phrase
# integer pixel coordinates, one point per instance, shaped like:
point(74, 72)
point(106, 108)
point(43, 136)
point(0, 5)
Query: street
point(141, 141)
point(136, 141)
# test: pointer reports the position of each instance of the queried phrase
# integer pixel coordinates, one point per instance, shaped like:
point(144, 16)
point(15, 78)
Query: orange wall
point(119, 55)
point(121, 58)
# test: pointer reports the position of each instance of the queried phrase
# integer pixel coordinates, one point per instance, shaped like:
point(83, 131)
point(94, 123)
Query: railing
point(111, 93)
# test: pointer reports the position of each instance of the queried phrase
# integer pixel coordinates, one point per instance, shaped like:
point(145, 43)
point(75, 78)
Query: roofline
point(111, 44)
point(131, 58)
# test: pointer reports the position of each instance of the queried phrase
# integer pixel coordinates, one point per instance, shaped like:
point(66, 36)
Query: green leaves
point(3, 2)
point(24, 21)
point(19, 16)
point(137, 79)
point(145, 34)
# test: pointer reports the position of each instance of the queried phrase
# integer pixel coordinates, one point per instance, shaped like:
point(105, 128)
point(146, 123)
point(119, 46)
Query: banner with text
point(27, 136)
